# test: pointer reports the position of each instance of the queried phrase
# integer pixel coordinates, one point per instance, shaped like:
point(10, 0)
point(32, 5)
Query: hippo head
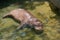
point(38, 25)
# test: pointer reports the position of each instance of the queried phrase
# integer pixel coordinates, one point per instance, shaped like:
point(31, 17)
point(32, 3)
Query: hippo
point(25, 17)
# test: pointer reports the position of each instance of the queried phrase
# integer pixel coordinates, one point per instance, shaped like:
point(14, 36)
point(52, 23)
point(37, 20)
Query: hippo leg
point(23, 25)
point(30, 26)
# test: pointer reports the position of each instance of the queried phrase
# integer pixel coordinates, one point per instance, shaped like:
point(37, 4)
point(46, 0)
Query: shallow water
point(43, 12)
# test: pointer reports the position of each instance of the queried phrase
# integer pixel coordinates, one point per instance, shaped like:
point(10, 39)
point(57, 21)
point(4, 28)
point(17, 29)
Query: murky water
point(43, 12)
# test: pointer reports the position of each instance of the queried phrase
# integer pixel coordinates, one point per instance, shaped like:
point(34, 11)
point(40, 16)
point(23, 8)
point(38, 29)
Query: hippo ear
point(6, 15)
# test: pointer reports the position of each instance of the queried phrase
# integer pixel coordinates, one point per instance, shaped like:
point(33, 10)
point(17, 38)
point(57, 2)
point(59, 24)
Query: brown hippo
point(25, 17)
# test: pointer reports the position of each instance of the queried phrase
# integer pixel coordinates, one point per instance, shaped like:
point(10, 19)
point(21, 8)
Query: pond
point(42, 11)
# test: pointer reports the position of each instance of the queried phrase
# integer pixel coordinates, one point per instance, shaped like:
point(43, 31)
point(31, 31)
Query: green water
point(42, 11)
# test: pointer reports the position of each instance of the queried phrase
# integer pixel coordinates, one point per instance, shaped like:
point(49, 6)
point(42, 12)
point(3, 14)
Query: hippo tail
point(7, 15)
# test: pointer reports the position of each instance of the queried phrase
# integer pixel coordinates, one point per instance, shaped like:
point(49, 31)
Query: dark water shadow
point(21, 4)
point(5, 3)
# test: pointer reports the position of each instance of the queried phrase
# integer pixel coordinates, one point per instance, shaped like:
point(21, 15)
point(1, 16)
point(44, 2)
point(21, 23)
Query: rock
point(55, 3)
point(55, 6)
